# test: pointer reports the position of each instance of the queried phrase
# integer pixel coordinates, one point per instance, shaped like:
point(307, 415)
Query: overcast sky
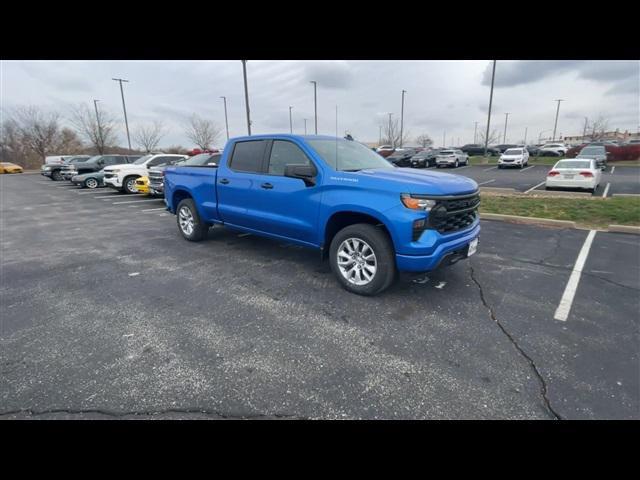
point(441, 95)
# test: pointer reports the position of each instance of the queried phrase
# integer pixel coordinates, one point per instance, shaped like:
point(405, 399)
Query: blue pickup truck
point(371, 218)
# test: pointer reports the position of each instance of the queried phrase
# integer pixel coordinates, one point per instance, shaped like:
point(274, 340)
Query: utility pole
point(246, 95)
point(380, 135)
point(402, 119)
point(315, 103)
point(393, 144)
point(95, 104)
point(444, 143)
point(226, 121)
point(290, 120)
point(305, 126)
point(475, 132)
point(556, 124)
point(504, 137)
point(126, 122)
point(584, 130)
point(525, 135)
point(486, 138)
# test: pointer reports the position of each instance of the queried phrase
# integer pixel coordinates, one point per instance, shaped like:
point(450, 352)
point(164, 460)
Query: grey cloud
point(334, 75)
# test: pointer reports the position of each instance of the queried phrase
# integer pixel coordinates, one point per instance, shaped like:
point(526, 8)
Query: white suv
point(123, 177)
point(558, 148)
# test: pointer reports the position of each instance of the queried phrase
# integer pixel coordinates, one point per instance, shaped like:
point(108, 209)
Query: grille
point(453, 214)
point(155, 177)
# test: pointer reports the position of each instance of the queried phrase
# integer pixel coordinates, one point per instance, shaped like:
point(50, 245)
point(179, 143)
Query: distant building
point(615, 135)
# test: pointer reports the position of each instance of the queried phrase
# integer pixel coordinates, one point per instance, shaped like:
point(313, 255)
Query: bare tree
point(597, 128)
point(38, 131)
point(202, 132)
point(98, 130)
point(494, 136)
point(391, 133)
point(148, 136)
point(424, 140)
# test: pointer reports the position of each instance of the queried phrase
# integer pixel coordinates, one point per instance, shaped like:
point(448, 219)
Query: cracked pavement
point(247, 328)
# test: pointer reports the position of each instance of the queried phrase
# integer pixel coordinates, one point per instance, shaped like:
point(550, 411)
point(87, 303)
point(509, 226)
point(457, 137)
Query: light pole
point(336, 121)
point(556, 124)
point(380, 135)
point(444, 143)
point(584, 130)
point(226, 121)
point(290, 120)
point(391, 140)
point(475, 133)
point(246, 95)
point(504, 137)
point(486, 138)
point(402, 118)
point(525, 135)
point(315, 103)
point(305, 126)
point(95, 104)
point(126, 122)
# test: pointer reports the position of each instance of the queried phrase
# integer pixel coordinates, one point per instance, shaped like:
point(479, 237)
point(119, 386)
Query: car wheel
point(56, 175)
point(362, 259)
point(129, 185)
point(189, 223)
point(455, 165)
point(91, 183)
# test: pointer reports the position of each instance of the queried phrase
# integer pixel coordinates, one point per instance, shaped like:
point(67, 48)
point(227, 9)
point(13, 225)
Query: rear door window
point(248, 156)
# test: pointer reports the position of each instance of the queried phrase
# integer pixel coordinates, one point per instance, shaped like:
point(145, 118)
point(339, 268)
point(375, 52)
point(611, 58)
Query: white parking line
point(533, 188)
point(66, 186)
point(562, 312)
point(492, 168)
point(135, 201)
point(488, 181)
point(612, 170)
point(525, 169)
point(93, 192)
point(115, 194)
point(154, 209)
point(606, 190)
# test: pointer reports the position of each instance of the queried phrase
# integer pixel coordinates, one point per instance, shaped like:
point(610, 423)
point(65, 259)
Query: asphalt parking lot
point(107, 312)
point(620, 179)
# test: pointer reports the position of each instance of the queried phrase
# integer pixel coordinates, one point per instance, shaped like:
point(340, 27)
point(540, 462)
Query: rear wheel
point(455, 165)
point(91, 183)
point(189, 222)
point(362, 259)
point(56, 175)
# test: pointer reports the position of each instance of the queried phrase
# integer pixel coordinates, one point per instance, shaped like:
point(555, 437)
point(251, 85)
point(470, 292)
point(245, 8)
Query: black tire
point(129, 184)
point(200, 229)
point(56, 175)
point(499, 167)
point(382, 247)
point(91, 183)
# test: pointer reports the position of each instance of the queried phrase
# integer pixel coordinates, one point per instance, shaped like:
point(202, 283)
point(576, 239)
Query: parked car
point(505, 146)
point(514, 157)
point(54, 169)
point(451, 158)
point(425, 158)
point(477, 149)
point(123, 177)
point(401, 158)
point(334, 195)
point(8, 167)
point(596, 152)
point(142, 185)
point(533, 150)
point(95, 164)
point(574, 173)
point(61, 159)
point(89, 180)
point(553, 149)
point(156, 175)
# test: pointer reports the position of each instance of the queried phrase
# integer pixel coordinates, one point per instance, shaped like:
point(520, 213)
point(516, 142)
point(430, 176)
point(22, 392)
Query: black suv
point(95, 164)
point(477, 149)
point(402, 158)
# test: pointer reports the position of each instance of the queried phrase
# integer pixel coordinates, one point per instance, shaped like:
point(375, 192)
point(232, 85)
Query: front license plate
point(473, 246)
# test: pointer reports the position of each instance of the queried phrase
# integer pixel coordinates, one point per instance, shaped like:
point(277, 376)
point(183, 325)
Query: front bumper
point(113, 182)
point(446, 162)
point(156, 189)
point(442, 254)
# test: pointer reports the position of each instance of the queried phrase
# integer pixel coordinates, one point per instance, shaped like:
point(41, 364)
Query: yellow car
point(7, 167)
point(142, 185)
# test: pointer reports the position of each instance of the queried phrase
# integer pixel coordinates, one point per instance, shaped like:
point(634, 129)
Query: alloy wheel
point(357, 261)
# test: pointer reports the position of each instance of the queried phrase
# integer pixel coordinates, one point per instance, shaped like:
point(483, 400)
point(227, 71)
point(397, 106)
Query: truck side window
point(247, 156)
point(283, 154)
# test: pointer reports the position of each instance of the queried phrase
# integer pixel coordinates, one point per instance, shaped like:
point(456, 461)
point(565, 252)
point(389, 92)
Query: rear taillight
point(552, 173)
point(586, 174)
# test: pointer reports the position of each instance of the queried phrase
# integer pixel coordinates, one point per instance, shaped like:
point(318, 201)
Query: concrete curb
point(529, 220)
point(497, 190)
point(553, 193)
point(626, 195)
point(624, 229)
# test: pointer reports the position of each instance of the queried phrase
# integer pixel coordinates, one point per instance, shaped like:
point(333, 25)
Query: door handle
point(224, 181)
point(267, 186)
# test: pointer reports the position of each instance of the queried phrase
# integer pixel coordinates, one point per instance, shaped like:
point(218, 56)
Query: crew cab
point(371, 218)
point(94, 164)
point(54, 166)
point(123, 177)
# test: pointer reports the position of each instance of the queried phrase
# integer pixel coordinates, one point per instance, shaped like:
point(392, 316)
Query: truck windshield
point(141, 160)
point(347, 155)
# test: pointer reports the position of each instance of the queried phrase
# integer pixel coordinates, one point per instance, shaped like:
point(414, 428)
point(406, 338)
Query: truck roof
point(286, 135)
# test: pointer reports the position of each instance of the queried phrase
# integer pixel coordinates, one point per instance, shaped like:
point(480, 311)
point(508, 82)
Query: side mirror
point(306, 173)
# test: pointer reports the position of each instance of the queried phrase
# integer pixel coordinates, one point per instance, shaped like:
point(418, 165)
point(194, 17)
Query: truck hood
point(409, 180)
point(123, 166)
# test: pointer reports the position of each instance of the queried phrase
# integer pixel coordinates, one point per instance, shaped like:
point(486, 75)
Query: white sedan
point(574, 174)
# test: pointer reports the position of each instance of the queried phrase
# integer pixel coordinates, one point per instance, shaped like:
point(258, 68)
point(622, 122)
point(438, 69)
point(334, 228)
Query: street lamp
point(95, 105)
point(290, 120)
point(504, 137)
point(556, 124)
point(226, 121)
point(475, 132)
point(402, 118)
point(391, 139)
point(305, 126)
point(126, 122)
point(246, 95)
point(486, 138)
point(315, 103)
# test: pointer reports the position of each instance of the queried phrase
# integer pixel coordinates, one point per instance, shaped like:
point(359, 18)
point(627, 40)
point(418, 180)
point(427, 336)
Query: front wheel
point(56, 175)
point(362, 259)
point(91, 183)
point(455, 165)
point(129, 185)
point(189, 222)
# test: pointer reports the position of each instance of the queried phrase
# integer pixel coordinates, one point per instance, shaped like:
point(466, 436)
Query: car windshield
point(201, 159)
point(513, 151)
point(141, 160)
point(347, 156)
point(573, 164)
point(592, 151)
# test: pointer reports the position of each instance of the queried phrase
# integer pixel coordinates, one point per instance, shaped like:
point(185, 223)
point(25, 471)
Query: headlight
point(47, 168)
point(415, 203)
